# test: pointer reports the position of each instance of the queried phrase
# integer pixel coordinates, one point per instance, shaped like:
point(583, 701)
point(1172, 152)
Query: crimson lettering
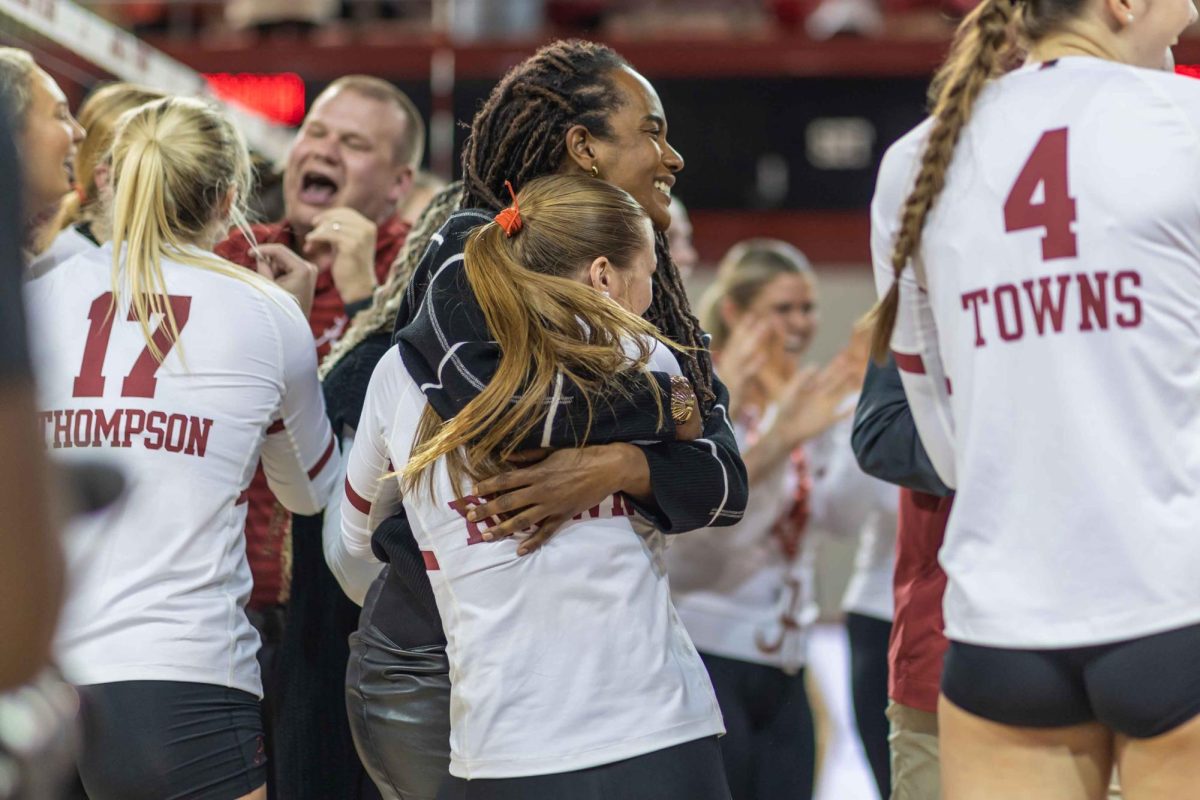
point(62, 428)
point(1123, 285)
point(1046, 307)
point(972, 300)
point(474, 532)
point(79, 432)
point(106, 428)
point(176, 432)
point(125, 427)
point(154, 427)
point(135, 423)
point(197, 443)
point(1094, 300)
point(1011, 328)
point(1054, 303)
point(619, 508)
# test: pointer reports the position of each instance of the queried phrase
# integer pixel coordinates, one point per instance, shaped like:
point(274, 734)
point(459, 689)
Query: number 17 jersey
point(157, 584)
point(1049, 341)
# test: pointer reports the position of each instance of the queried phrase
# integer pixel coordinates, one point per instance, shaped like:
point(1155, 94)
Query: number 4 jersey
point(1049, 342)
point(158, 584)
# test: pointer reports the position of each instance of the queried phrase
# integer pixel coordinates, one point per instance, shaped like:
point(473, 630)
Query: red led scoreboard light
point(278, 96)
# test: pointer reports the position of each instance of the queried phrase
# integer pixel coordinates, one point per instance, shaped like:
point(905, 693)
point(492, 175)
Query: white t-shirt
point(568, 658)
point(847, 503)
point(1049, 342)
point(158, 584)
point(735, 586)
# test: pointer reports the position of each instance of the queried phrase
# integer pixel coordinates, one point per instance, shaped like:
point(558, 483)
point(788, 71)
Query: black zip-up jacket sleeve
point(447, 348)
point(885, 438)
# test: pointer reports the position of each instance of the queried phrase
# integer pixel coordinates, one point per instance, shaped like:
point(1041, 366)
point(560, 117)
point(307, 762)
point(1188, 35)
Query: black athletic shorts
point(163, 740)
point(689, 771)
point(1140, 687)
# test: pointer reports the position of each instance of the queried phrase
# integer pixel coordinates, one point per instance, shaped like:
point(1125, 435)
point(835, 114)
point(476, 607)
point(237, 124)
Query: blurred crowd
point(469, 20)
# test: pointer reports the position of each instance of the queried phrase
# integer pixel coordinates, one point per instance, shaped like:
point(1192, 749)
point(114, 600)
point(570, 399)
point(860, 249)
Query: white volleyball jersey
point(66, 245)
point(157, 585)
point(737, 591)
point(1049, 341)
point(567, 658)
point(845, 503)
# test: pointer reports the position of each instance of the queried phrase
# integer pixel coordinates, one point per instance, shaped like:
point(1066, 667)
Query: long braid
point(380, 316)
point(518, 135)
point(980, 51)
point(672, 314)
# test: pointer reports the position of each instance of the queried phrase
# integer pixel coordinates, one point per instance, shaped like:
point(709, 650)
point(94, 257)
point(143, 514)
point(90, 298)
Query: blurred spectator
point(83, 221)
point(30, 564)
point(266, 203)
point(683, 252)
point(834, 17)
point(425, 186)
point(745, 593)
point(472, 20)
point(350, 167)
point(268, 14)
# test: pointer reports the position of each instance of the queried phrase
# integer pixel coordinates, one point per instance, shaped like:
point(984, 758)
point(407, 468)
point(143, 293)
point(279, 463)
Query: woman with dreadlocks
point(1037, 244)
point(582, 679)
point(573, 108)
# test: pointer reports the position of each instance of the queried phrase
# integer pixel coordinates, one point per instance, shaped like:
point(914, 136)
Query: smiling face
point(637, 157)
point(48, 144)
point(790, 302)
point(345, 156)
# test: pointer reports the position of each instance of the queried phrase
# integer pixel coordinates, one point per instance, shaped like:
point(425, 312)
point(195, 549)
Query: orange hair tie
point(510, 218)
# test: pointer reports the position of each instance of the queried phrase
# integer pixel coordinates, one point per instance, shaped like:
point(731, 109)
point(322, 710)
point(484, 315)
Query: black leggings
point(689, 771)
point(770, 746)
point(869, 684)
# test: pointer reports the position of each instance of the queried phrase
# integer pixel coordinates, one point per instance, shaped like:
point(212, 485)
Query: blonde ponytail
point(980, 51)
point(548, 325)
point(175, 163)
point(139, 223)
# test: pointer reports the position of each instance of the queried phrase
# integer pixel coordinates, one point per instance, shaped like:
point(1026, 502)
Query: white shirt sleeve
point(353, 574)
point(298, 455)
point(914, 341)
point(369, 496)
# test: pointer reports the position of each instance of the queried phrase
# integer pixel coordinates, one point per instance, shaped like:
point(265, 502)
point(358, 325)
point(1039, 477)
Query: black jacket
point(447, 348)
point(885, 439)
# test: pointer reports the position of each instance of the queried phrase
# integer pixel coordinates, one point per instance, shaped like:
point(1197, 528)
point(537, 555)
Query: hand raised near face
point(289, 272)
point(743, 360)
point(814, 400)
point(343, 241)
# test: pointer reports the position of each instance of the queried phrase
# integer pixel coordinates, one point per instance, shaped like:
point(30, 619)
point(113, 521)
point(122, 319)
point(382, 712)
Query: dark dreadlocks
point(518, 136)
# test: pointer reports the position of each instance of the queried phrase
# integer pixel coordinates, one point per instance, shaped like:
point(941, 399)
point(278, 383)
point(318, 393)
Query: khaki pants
point(915, 767)
point(913, 741)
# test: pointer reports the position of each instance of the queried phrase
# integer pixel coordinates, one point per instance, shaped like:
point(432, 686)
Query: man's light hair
point(411, 147)
point(16, 84)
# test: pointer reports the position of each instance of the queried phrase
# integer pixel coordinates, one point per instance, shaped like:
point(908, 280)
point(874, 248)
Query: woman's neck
point(1095, 43)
